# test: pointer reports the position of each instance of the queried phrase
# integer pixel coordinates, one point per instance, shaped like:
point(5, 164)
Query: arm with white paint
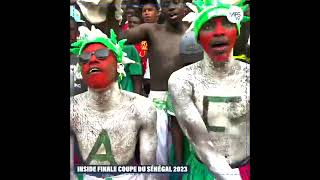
point(194, 128)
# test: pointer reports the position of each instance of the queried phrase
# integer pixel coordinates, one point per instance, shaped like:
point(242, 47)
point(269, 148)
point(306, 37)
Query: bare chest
point(165, 49)
point(224, 106)
point(106, 137)
point(164, 58)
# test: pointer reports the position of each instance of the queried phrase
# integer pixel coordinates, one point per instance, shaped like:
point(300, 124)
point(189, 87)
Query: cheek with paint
point(218, 43)
point(107, 73)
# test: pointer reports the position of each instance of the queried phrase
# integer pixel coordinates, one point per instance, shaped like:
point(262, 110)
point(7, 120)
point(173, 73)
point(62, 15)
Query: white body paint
point(125, 116)
point(189, 86)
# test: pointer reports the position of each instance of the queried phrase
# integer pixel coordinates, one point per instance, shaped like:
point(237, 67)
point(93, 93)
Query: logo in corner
point(235, 14)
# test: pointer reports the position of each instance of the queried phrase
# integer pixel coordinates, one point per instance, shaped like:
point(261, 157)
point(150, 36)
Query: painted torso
point(227, 122)
point(119, 120)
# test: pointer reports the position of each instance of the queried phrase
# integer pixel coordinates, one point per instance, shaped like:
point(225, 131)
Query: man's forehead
point(149, 6)
point(216, 19)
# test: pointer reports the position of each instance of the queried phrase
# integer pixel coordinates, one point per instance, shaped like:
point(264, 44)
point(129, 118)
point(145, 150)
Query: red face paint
point(217, 37)
point(107, 68)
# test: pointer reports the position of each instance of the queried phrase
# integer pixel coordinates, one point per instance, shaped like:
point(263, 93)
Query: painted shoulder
point(77, 105)
point(142, 104)
point(245, 70)
point(77, 99)
point(184, 74)
point(244, 66)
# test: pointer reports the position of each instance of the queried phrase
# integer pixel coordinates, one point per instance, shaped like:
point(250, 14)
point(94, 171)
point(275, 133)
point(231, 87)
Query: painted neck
point(101, 99)
point(220, 69)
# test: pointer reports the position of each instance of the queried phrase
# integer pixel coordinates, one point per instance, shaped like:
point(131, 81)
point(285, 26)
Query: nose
point(220, 31)
point(146, 12)
point(93, 59)
point(172, 6)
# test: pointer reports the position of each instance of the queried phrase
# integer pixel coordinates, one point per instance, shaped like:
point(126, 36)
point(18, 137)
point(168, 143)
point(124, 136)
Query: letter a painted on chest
point(103, 139)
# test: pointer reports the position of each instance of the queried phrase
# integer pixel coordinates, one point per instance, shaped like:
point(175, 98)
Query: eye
point(166, 3)
point(227, 24)
point(209, 26)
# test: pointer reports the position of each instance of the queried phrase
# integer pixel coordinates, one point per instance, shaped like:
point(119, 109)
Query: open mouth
point(173, 16)
point(220, 46)
point(94, 70)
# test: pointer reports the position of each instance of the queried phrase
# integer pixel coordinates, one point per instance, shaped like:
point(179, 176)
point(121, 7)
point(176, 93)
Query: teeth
point(93, 69)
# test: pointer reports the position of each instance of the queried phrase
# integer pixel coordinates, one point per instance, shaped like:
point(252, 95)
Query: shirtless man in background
point(163, 52)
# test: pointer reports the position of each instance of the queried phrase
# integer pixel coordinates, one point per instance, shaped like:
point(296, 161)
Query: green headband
point(205, 10)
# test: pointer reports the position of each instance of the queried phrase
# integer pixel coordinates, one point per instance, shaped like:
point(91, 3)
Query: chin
point(98, 84)
point(98, 89)
point(221, 58)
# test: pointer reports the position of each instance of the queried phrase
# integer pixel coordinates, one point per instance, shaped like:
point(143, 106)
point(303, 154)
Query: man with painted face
point(211, 97)
point(107, 121)
point(163, 52)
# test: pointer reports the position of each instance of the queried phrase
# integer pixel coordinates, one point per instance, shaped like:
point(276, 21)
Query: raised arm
point(193, 126)
point(139, 33)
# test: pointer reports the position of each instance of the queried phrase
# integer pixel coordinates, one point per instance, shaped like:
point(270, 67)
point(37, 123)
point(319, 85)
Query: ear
point(185, 10)
point(159, 12)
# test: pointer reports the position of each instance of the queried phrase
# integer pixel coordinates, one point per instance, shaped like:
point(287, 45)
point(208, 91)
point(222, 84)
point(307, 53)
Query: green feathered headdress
point(204, 10)
point(96, 36)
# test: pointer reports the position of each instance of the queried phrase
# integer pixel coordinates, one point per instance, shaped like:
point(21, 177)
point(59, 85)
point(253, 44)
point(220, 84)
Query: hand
point(215, 162)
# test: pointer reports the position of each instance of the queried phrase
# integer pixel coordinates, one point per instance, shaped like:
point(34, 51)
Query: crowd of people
point(161, 82)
